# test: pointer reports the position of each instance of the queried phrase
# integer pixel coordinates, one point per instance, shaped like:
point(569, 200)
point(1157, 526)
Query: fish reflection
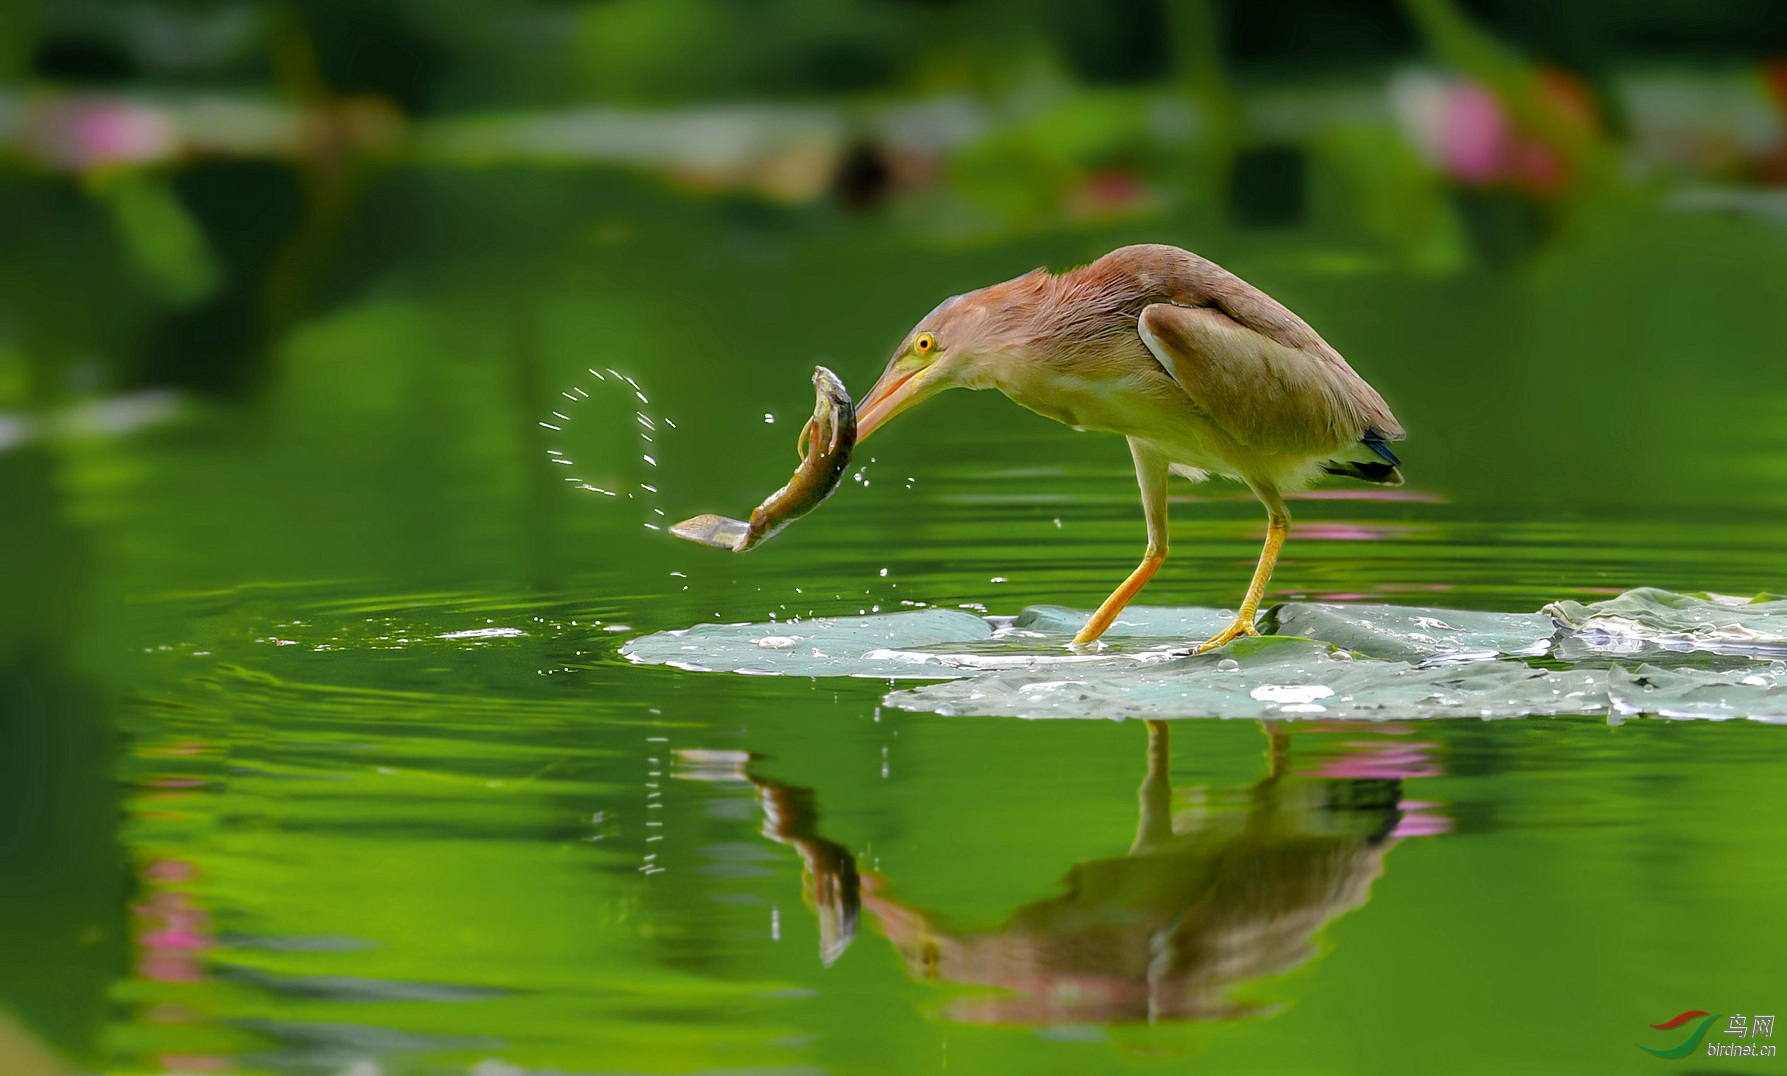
point(1205, 901)
point(829, 882)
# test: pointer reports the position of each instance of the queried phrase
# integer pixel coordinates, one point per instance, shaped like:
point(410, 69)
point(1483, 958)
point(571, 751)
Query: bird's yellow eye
point(925, 344)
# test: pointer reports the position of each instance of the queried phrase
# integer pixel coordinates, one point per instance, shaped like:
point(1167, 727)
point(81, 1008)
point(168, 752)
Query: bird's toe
point(1226, 636)
point(1220, 639)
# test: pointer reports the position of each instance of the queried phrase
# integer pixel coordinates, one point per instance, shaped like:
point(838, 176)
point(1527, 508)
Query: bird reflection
point(1205, 901)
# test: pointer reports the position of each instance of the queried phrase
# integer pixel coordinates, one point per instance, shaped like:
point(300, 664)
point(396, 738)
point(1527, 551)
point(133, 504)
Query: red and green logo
point(1689, 1044)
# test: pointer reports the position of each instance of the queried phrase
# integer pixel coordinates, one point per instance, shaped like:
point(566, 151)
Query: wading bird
point(1202, 372)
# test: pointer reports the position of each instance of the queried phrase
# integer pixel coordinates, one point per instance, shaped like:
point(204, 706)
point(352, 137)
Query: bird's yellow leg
point(1151, 476)
point(1276, 527)
point(1121, 597)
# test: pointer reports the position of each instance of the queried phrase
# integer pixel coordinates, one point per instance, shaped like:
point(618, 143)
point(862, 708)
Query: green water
point(260, 817)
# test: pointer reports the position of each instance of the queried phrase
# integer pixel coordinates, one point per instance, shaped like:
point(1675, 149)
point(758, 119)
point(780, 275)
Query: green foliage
point(1388, 195)
point(657, 50)
point(163, 240)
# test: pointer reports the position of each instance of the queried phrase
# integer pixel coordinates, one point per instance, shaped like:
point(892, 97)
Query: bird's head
point(958, 345)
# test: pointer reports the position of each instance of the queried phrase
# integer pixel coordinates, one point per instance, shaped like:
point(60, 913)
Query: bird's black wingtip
point(1374, 440)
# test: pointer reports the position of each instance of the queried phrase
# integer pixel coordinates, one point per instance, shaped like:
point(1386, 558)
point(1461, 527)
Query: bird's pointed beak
point(895, 392)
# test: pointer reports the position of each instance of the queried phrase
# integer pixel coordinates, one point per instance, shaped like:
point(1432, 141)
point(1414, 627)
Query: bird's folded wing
point(1264, 394)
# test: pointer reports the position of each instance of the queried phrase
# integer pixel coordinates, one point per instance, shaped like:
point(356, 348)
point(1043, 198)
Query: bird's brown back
point(1108, 295)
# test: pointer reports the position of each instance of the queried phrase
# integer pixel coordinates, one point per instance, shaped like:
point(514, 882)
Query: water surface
point(335, 767)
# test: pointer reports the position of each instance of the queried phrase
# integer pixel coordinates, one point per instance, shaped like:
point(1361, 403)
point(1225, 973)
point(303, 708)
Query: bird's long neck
point(1067, 342)
point(1085, 309)
point(1042, 319)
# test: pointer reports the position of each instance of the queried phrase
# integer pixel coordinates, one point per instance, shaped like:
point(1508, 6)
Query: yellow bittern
point(1202, 372)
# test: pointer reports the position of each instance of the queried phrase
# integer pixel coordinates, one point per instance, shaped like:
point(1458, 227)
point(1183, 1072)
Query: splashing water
point(648, 429)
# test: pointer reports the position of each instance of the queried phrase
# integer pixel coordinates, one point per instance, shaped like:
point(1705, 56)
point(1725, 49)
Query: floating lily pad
point(1185, 624)
point(1270, 677)
point(1321, 660)
point(821, 646)
point(1402, 633)
point(1648, 618)
point(1758, 692)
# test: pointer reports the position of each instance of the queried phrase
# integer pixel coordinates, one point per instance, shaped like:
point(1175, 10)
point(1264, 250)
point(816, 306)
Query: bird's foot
point(1226, 636)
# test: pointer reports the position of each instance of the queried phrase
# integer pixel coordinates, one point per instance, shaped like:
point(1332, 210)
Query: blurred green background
point(290, 294)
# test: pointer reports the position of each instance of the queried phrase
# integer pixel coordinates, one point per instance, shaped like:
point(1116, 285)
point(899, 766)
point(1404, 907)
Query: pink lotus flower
point(80, 134)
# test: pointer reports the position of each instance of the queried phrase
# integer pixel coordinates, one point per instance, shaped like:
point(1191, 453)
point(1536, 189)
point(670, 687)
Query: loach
point(825, 444)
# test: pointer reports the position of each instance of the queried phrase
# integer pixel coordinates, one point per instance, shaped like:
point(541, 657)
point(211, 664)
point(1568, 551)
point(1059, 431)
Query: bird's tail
point(1384, 474)
point(1371, 460)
